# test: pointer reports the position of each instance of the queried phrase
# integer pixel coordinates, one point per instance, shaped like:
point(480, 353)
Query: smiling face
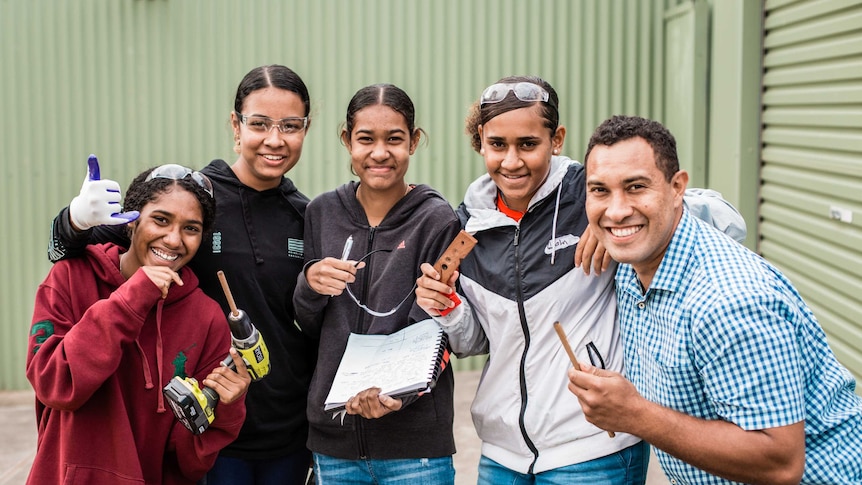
point(380, 146)
point(633, 206)
point(167, 233)
point(264, 158)
point(517, 147)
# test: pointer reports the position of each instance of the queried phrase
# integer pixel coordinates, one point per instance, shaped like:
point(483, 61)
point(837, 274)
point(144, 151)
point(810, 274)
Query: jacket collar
point(479, 199)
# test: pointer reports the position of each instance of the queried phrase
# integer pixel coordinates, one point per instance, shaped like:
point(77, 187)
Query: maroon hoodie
point(101, 349)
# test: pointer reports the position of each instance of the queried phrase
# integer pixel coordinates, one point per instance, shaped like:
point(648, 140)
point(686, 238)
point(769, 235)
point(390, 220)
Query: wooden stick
point(562, 335)
point(227, 293)
point(565, 341)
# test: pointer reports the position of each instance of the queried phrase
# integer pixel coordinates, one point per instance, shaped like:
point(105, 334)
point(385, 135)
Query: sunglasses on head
point(525, 91)
point(173, 171)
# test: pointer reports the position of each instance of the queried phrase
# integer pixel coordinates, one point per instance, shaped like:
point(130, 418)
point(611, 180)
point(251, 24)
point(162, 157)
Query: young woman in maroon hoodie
point(112, 328)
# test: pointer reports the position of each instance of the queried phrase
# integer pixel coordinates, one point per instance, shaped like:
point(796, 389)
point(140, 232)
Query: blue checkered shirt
point(722, 334)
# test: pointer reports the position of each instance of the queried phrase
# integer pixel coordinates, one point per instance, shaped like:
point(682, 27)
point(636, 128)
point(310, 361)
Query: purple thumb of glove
point(93, 173)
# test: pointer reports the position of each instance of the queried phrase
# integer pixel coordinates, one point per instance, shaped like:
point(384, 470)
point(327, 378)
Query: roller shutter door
point(811, 174)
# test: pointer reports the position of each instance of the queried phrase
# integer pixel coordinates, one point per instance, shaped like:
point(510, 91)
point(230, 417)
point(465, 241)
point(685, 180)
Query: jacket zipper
point(521, 371)
point(366, 275)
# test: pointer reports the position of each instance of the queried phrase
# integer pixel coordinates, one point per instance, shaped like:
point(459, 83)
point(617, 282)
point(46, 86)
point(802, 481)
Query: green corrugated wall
point(812, 161)
point(145, 82)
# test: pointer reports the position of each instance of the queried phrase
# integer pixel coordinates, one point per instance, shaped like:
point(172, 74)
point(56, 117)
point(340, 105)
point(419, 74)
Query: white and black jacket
point(518, 280)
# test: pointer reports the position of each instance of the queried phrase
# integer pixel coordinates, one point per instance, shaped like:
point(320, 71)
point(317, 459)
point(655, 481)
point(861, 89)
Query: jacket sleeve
point(66, 242)
point(69, 358)
point(196, 454)
point(308, 305)
point(709, 206)
point(466, 336)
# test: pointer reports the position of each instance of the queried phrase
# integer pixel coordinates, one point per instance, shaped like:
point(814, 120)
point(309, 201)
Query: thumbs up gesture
point(99, 201)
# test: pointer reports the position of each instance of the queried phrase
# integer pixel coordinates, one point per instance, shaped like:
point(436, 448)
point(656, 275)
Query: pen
point(347, 246)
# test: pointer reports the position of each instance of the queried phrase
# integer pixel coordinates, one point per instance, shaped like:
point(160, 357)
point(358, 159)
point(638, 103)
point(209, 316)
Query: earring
point(481, 151)
point(556, 151)
point(237, 147)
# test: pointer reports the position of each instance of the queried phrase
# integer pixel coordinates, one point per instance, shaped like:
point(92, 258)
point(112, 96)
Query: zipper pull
point(517, 234)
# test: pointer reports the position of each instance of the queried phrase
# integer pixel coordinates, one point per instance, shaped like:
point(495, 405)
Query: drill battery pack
point(189, 404)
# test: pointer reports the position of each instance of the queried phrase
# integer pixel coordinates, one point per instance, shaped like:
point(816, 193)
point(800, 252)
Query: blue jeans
point(291, 469)
point(411, 471)
point(625, 467)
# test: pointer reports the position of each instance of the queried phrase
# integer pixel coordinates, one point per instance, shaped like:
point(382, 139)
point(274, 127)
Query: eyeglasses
point(365, 307)
point(173, 171)
point(264, 124)
point(527, 92)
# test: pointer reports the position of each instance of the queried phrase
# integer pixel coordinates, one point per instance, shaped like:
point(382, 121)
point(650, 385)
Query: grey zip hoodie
point(416, 230)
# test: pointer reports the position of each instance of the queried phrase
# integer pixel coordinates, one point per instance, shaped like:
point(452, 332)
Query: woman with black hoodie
point(381, 439)
point(257, 241)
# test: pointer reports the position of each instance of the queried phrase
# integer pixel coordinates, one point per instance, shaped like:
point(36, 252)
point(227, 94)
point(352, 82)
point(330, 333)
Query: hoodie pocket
point(88, 475)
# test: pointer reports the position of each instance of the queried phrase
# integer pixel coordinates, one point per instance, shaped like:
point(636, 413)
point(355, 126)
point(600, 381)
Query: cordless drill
point(193, 404)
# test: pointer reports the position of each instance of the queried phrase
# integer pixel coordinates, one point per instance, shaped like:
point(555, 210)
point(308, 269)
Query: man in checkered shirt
point(731, 375)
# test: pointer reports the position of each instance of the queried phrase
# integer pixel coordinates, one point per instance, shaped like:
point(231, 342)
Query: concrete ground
point(18, 439)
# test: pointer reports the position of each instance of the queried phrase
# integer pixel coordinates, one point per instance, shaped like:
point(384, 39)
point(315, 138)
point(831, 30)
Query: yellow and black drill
point(193, 404)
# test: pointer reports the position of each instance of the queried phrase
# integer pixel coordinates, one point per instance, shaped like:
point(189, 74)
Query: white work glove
point(99, 201)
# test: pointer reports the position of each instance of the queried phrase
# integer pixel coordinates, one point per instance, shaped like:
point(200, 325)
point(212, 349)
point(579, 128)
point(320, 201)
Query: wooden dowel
point(227, 293)
point(565, 341)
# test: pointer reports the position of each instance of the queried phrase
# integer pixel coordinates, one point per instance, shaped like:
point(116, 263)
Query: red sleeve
point(196, 454)
point(75, 337)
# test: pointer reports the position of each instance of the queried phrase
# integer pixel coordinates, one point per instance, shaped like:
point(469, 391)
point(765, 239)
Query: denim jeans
point(625, 467)
point(411, 471)
point(287, 470)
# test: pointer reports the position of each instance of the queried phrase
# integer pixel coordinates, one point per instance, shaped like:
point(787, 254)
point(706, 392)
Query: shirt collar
point(673, 266)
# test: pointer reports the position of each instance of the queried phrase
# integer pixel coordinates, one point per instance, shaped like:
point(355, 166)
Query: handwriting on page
point(394, 363)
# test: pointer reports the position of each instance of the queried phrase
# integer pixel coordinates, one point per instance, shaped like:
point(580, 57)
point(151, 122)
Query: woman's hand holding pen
point(370, 404)
point(330, 276)
point(431, 293)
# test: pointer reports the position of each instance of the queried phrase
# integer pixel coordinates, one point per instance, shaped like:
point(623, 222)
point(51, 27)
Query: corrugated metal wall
point(812, 161)
point(144, 82)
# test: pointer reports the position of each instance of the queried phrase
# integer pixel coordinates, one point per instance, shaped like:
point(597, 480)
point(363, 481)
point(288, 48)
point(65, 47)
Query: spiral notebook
point(401, 364)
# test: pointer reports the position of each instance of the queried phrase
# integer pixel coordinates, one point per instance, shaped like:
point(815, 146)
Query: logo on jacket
point(295, 248)
point(561, 242)
point(41, 331)
point(216, 243)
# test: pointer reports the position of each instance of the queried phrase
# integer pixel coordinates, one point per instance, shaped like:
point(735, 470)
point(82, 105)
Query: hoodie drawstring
point(249, 228)
point(159, 352)
point(145, 363)
point(554, 225)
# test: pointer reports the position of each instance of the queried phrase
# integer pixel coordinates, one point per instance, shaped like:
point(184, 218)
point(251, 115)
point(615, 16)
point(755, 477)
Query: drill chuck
point(248, 341)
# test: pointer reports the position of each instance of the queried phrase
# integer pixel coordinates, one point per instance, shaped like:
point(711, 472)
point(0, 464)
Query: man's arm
point(770, 456)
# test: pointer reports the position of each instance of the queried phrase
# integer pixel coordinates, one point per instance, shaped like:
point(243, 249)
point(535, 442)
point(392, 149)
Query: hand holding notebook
point(404, 363)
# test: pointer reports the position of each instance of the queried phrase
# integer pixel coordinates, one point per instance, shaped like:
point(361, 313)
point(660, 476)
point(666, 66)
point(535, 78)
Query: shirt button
point(641, 305)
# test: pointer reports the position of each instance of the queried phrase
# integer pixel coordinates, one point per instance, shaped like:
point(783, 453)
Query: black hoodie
point(257, 241)
point(417, 230)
